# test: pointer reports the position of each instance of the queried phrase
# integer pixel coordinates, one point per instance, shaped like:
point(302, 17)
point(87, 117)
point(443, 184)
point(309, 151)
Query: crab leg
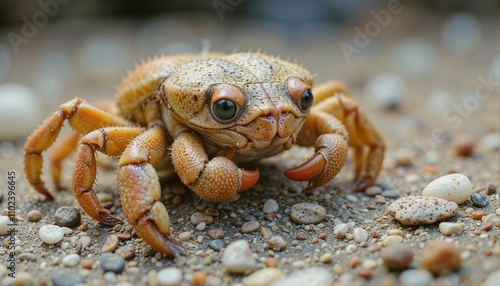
point(111, 141)
point(216, 180)
point(140, 191)
point(63, 148)
point(82, 117)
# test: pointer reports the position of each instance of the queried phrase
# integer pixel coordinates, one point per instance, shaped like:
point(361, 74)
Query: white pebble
point(270, 206)
point(201, 226)
point(237, 257)
point(170, 276)
point(416, 210)
point(439, 101)
point(360, 234)
point(453, 187)
point(51, 234)
point(449, 228)
point(71, 260)
point(4, 225)
point(263, 277)
point(490, 142)
point(312, 276)
point(415, 277)
point(307, 213)
point(341, 229)
point(85, 241)
point(461, 33)
point(5, 61)
point(492, 279)
point(414, 57)
point(19, 104)
point(385, 91)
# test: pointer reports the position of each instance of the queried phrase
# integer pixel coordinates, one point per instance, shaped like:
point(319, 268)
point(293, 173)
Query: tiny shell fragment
point(416, 210)
point(453, 187)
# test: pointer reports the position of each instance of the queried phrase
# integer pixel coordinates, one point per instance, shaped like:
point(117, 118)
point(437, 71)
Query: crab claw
point(308, 170)
point(248, 179)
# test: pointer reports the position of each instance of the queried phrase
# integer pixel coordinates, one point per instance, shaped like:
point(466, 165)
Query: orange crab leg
point(63, 148)
point(111, 141)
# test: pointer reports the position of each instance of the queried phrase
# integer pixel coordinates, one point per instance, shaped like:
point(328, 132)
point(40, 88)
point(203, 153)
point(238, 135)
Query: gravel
point(479, 200)
point(112, 262)
point(65, 277)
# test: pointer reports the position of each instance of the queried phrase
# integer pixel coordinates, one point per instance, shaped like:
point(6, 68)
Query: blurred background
point(411, 64)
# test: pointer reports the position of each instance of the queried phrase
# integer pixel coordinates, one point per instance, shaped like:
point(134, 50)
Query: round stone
point(397, 257)
point(453, 187)
point(461, 33)
point(276, 243)
point(373, 191)
point(250, 226)
point(23, 278)
point(65, 277)
point(110, 243)
point(439, 101)
point(71, 260)
point(416, 210)
point(51, 234)
point(34, 215)
point(415, 277)
point(199, 217)
point(216, 233)
point(238, 258)
point(360, 235)
point(19, 104)
point(414, 57)
point(385, 91)
point(307, 213)
point(112, 262)
point(4, 225)
point(391, 194)
point(311, 276)
point(449, 228)
point(270, 206)
point(392, 240)
point(216, 244)
point(441, 257)
point(67, 216)
point(126, 251)
point(479, 199)
point(170, 276)
point(264, 276)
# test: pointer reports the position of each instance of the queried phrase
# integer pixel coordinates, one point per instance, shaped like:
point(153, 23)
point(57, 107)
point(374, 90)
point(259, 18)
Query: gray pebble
point(307, 213)
point(67, 216)
point(65, 277)
point(270, 206)
point(479, 199)
point(112, 262)
point(250, 226)
point(415, 277)
point(217, 244)
point(391, 194)
point(373, 191)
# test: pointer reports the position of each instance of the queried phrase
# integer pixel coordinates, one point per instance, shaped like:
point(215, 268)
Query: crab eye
point(307, 100)
point(225, 109)
point(300, 92)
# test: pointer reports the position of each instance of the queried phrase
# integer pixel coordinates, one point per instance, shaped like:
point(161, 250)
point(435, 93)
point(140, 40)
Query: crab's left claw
point(331, 151)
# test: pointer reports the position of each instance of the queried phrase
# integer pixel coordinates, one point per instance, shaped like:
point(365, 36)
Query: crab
point(197, 117)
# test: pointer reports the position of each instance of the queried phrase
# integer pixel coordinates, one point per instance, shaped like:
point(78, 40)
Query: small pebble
point(201, 226)
point(65, 277)
point(491, 141)
point(461, 33)
point(385, 91)
point(360, 234)
point(439, 101)
point(416, 210)
point(276, 243)
point(392, 240)
point(27, 257)
point(126, 252)
point(340, 230)
point(414, 57)
point(391, 194)
point(311, 276)
point(170, 276)
point(373, 191)
point(216, 244)
point(479, 199)
point(250, 226)
point(86, 263)
point(238, 258)
point(216, 233)
point(50, 234)
point(449, 228)
point(112, 262)
point(263, 277)
point(415, 277)
point(307, 213)
point(453, 187)
point(71, 260)
point(67, 216)
point(198, 217)
point(491, 189)
point(85, 241)
point(4, 225)
point(441, 257)
point(110, 243)
point(185, 236)
point(34, 215)
point(464, 145)
point(397, 257)
point(477, 215)
point(492, 279)
point(326, 258)
point(23, 278)
point(270, 206)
